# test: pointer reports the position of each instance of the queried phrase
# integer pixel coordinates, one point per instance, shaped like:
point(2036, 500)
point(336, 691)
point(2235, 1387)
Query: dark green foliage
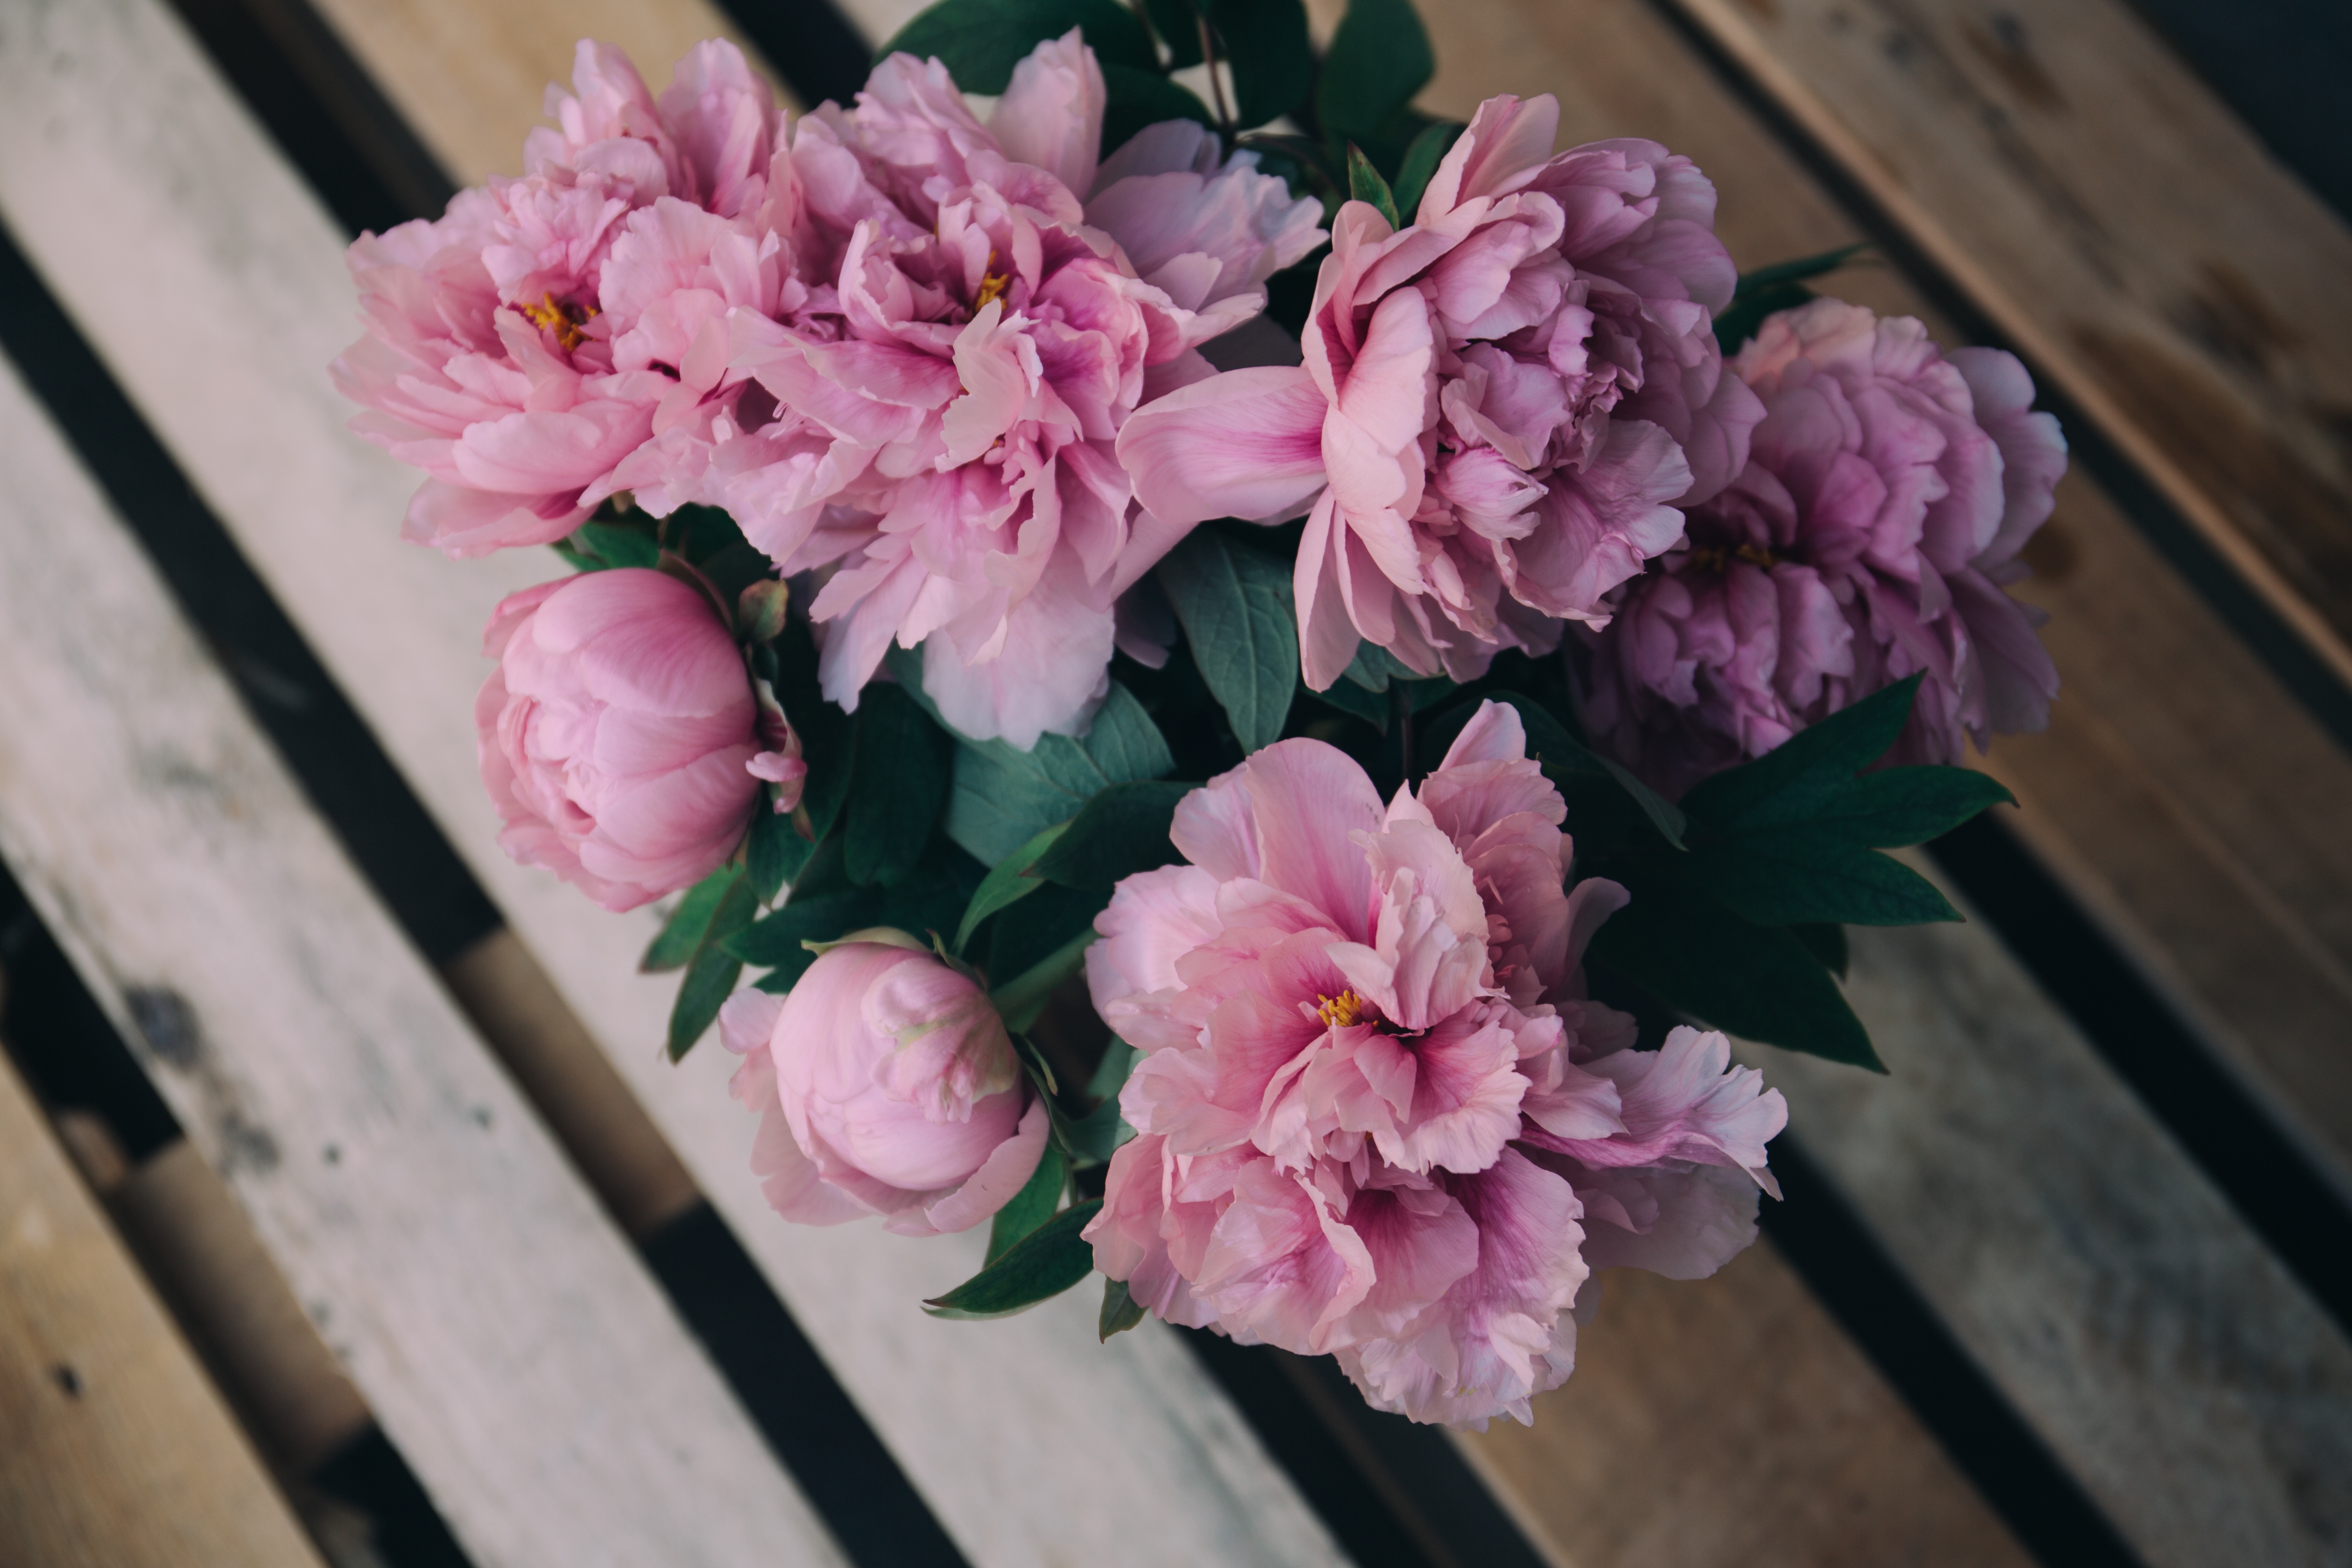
point(1378, 58)
point(1032, 1206)
point(681, 935)
point(597, 545)
point(1826, 942)
point(711, 973)
point(1043, 1264)
point(1780, 287)
point(901, 778)
point(1139, 98)
point(1121, 831)
point(1365, 184)
point(1120, 1311)
point(1234, 603)
point(981, 40)
point(1012, 878)
point(1421, 162)
point(1273, 64)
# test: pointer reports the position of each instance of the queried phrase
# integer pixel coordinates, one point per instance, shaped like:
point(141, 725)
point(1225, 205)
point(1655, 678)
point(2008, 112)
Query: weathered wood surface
point(115, 1452)
point(469, 77)
point(1024, 1438)
point(503, 1332)
point(1729, 1420)
point(2125, 230)
point(2166, 1357)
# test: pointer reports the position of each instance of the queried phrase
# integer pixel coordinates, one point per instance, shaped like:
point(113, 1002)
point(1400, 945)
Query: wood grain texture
point(2167, 1358)
point(1029, 1444)
point(1729, 1420)
point(505, 1335)
point(470, 75)
point(2125, 230)
point(115, 1452)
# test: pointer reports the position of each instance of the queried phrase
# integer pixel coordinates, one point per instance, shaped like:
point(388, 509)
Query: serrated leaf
point(1365, 184)
point(1798, 875)
point(981, 40)
point(1378, 58)
point(898, 783)
point(1023, 998)
point(1032, 1206)
point(1123, 830)
point(1120, 1311)
point(1273, 64)
point(681, 935)
point(1234, 603)
point(1135, 98)
point(1421, 161)
point(710, 976)
point(1012, 878)
point(1042, 1265)
point(1758, 982)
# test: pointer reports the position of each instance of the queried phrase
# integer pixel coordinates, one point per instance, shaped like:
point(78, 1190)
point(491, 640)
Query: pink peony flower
point(947, 411)
point(1500, 407)
point(618, 734)
point(1378, 1116)
point(886, 1084)
point(522, 348)
point(1877, 522)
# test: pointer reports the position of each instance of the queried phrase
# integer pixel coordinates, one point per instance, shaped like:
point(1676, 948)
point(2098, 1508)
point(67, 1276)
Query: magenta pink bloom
point(1870, 537)
point(1501, 405)
point(946, 412)
point(886, 1084)
point(524, 346)
point(1378, 1115)
point(618, 734)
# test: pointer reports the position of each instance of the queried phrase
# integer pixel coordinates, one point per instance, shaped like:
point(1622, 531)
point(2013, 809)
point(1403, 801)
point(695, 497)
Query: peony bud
point(887, 1085)
point(615, 735)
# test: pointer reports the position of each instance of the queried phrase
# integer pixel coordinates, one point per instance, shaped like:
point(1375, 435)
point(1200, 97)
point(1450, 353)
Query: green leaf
point(1891, 807)
point(1120, 1311)
point(710, 976)
point(681, 935)
point(901, 776)
point(1015, 878)
point(1365, 184)
point(616, 545)
point(1798, 875)
point(776, 941)
point(1023, 998)
point(1032, 1206)
point(1119, 1061)
point(1178, 25)
point(1097, 1134)
point(1743, 317)
point(1273, 64)
point(1378, 58)
point(1826, 942)
point(1787, 783)
point(775, 851)
point(1758, 982)
point(1043, 1264)
point(1234, 603)
point(1798, 270)
point(981, 40)
point(1421, 162)
point(1139, 98)
point(1123, 830)
point(1003, 797)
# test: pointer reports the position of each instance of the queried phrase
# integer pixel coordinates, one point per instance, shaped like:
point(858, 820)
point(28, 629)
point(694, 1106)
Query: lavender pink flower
point(1871, 536)
point(1502, 403)
point(1378, 1115)
point(886, 1084)
point(619, 735)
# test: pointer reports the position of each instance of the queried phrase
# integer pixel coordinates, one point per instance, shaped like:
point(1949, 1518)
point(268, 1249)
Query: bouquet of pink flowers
point(1260, 681)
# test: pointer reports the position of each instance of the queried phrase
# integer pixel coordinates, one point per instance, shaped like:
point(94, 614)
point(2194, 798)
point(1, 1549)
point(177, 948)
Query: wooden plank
point(504, 1333)
point(469, 77)
point(1025, 1440)
point(2125, 230)
point(1729, 1420)
point(2178, 1369)
point(115, 1452)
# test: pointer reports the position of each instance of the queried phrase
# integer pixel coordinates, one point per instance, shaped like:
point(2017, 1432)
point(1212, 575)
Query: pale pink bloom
point(615, 733)
point(495, 359)
point(1501, 405)
point(886, 1084)
point(944, 449)
point(1871, 536)
point(1374, 1090)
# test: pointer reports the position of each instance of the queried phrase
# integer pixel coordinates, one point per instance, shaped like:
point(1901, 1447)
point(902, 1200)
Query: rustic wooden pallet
point(2149, 1338)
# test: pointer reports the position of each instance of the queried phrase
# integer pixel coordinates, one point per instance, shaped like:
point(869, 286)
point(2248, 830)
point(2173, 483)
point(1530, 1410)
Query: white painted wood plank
point(1030, 1443)
point(2166, 1357)
point(507, 1338)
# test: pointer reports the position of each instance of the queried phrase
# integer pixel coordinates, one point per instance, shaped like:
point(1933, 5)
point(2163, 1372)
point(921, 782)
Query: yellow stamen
point(1719, 558)
point(1344, 1011)
point(563, 320)
point(992, 286)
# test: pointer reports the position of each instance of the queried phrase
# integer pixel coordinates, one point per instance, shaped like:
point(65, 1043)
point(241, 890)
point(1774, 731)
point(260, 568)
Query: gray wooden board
point(507, 1338)
point(2172, 1363)
point(125, 162)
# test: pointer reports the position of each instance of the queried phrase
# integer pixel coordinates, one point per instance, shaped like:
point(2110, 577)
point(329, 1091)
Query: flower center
point(1344, 1011)
point(992, 286)
point(563, 320)
point(1718, 557)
